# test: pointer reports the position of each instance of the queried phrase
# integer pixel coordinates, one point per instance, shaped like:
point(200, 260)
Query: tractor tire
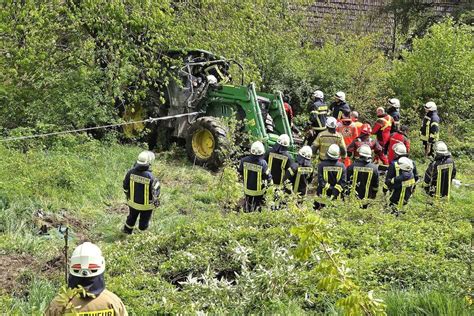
point(206, 143)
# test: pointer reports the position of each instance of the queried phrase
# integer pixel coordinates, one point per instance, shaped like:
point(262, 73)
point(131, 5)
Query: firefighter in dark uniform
point(86, 269)
point(430, 128)
point(339, 107)
point(394, 111)
point(256, 175)
point(331, 176)
point(142, 190)
point(318, 112)
point(279, 159)
point(402, 185)
point(300, 173)
point(393, 171)
point(441, 171)
point(363, 177)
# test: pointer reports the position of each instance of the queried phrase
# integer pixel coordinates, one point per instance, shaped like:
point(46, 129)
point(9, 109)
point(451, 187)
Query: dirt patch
point(118, 209)
point(11, 269)
point(45, 222)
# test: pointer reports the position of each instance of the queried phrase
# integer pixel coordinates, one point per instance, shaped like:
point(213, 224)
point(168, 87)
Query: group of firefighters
point(335, 134)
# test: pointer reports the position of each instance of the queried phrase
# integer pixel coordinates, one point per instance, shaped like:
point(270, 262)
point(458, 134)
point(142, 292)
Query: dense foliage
point(198, 256)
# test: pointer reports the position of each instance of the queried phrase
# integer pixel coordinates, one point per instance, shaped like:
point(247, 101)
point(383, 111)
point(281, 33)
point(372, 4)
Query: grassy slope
point(189, 258)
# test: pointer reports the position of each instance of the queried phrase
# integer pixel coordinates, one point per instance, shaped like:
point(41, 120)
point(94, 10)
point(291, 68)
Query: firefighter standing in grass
point(256, 175)
point(397, 137)
point(86, 269)
point(394, 169)
point(327, 138)
point(142, 190)
point(430, 127)
point(394, 111)
point(300, 173)
point(363, 176)
point(331, 176)
point(318, 112)
point(279, 159)
point(403, 185)
point(441, 171)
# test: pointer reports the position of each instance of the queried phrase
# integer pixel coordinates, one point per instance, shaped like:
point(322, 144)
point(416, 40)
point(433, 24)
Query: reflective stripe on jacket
point(363, 179)
point(255, 173)
point(326, 139)
point(331, 178)
point(430, 127)
point(138, 186)
point(439, 175)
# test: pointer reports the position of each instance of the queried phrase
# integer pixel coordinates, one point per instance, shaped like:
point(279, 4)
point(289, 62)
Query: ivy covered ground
point(200, 255)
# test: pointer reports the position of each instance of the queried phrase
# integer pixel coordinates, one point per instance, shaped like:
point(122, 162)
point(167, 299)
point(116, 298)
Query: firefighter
point(86, 269)
point(393, 171)
point(430, 128)
point(364, 138)
point(348, 131)
point(402, 185)
point(300, 173)
point(394, 111)
point(279, 159)
point(440, 172)
point(382, 128)
point(142, 190)
point(363, 176)
point(357, 123)
point(256, 175)
point(327, 138)
point(318, 112)
point(331, 176)
point(397, 137)
point(339, 107)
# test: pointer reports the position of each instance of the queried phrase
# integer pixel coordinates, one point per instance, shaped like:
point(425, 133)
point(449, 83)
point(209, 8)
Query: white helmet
point(331, 122)
point(306, 152)
point(151, 156)
point(334, 151)
point(365, 151)
point(257, 149)
point(284, 140)
point(405, 164)
point(87, 261)
point(380, 111)
point(318, 94)
point(430, 106)
point(211, 79)
point(143, 158)
point(355, 114)
point(394, 102)
point(400, 149)
point(340, 96)
point(441, 148)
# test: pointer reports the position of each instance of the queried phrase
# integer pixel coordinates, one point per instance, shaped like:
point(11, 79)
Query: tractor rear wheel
point(206, 142)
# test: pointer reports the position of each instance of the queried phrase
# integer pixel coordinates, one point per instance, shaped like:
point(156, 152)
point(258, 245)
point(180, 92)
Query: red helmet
point(366, 129)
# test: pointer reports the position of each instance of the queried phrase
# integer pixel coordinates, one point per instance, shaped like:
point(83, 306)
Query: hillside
point(201, 255)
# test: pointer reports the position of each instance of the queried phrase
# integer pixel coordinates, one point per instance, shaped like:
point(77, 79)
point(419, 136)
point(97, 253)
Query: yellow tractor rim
point(203, 144)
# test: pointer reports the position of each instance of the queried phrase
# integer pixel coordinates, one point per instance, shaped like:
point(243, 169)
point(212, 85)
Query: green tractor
point(202, 84)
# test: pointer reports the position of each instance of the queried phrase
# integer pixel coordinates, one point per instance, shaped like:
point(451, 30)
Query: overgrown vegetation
point(202, 256)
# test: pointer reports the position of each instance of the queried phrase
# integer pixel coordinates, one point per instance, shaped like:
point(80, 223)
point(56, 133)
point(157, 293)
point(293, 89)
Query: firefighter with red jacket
point(441, 171)
point(358, 124)
point(349, 132)
point(398, 137)
point(364, 138)
point(382, 127)
point(430, 128)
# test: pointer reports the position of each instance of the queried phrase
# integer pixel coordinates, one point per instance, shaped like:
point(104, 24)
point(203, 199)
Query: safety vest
point(444, 170)
point(387, 122)
point(277, 175)
point(253, 171)
point(338, 171)
point(355, 175)
point(140, 193)
point(301, 172)
point(406, 185)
